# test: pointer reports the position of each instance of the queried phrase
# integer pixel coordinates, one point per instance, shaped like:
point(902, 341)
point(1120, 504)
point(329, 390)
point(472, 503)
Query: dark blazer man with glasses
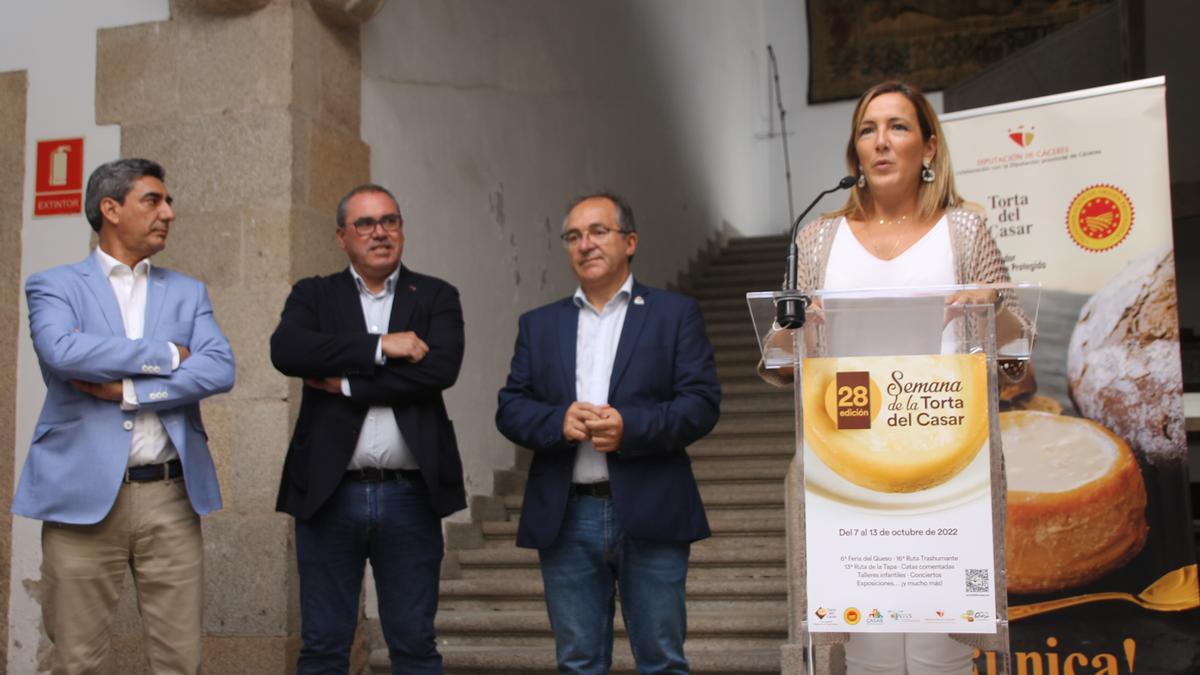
point(608, 387)
point(373, 464)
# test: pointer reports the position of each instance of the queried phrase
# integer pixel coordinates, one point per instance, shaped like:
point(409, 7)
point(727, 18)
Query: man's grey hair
point(114, 180)
point(366, 188)
point(625, 222)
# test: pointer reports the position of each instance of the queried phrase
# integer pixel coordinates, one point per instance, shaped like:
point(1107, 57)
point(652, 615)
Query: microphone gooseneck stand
point(790, 307)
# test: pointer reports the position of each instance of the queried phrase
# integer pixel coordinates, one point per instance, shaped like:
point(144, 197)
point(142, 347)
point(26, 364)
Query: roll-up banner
point(1101, 565)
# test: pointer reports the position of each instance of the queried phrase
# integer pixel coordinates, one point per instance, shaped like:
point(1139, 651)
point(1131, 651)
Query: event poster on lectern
point(898, 494)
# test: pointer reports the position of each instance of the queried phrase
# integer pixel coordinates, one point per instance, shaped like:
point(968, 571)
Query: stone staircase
point(492, 619)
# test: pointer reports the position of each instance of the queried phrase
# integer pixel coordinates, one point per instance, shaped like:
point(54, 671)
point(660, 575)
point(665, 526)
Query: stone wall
point(255, 116)
point(12, 180)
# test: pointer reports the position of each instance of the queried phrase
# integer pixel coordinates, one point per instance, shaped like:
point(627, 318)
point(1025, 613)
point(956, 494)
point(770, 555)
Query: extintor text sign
point(58, 188)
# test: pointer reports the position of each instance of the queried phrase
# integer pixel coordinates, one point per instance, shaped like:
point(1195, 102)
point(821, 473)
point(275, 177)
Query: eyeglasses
point(597, 233)
point(366, 225)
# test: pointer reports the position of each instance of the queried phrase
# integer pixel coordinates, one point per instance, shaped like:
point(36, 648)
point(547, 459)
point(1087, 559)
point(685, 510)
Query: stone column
point(13, 87)
point(252, 106)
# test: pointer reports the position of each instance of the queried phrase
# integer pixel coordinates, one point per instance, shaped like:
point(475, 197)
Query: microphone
point(789, 308)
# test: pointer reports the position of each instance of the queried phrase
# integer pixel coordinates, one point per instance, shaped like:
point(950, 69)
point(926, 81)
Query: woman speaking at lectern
point(903, 225)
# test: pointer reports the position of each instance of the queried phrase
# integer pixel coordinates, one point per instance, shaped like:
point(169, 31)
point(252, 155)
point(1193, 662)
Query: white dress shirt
point(150, 443)
point(596, 338)
point(380, 443)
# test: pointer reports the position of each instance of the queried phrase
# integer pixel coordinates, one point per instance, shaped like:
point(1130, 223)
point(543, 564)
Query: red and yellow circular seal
point(852, 616)
point(1099, 217)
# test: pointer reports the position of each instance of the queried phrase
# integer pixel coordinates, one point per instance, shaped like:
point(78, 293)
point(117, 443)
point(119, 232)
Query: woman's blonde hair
point(931, 197)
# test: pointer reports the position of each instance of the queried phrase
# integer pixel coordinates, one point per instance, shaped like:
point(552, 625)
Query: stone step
point(769, 403)
point(707, 553)
point(722, 522)
point(746, 540)
point(453, 625)
point(724, 304)
point(735, 340)
point(739, 423)
point(732, 322)
point(767, 446)
point(732, 269)
point(727, 294)
point(732, 315)
point(716, 496)
point(527, 660)
point(723, 469)
point(748, 354)
point(729, 322)
point(541, 641)
point(757, 255)
point(736, 458)
point(762, 264)
point(742, 282)
point(736, 278)
point(766, 244)
point(534, 602)
point(713, 573)
point(751, 384)
point(772, 242)
point(744, 375)
point(772, 589)
point(738, 369)
point(765, 257)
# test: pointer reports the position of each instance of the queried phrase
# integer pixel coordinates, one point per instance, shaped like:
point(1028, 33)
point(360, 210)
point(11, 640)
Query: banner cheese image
point(1076, 501)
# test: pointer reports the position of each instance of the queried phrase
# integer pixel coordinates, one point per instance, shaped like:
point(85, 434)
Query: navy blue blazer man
point(608, 388)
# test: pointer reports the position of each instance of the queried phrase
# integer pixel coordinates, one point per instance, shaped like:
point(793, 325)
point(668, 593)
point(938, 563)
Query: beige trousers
point(151, 530)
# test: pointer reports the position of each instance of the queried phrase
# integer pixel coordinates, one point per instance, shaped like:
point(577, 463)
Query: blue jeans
point(590, 560)
point(391, 524)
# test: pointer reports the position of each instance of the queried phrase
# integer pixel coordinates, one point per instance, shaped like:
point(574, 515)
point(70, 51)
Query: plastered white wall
point(55, 41)
point(487, 117)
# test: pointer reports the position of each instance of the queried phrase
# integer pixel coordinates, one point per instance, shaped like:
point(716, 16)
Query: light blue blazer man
point(80, 447)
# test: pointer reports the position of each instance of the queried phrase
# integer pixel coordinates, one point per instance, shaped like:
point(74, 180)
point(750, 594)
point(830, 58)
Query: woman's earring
point(926, 172)
point(862, 179)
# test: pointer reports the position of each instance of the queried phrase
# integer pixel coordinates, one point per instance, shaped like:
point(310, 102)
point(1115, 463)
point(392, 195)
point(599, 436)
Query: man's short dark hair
point(365, 188)
point(114, 180)
point(625, 220)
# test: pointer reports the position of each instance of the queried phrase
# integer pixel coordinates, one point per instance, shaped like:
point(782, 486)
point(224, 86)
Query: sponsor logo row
point(852, 616)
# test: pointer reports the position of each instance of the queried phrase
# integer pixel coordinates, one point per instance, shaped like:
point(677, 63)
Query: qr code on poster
point(977, 581)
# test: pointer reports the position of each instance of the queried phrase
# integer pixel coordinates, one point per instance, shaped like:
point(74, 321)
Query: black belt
point(373, 475)
point(152, 472)
point(603, 489)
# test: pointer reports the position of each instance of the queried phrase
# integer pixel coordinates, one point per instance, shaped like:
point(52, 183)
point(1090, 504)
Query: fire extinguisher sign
point(58, 189)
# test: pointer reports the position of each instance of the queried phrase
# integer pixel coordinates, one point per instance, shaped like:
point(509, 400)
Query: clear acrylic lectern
point(896, 495)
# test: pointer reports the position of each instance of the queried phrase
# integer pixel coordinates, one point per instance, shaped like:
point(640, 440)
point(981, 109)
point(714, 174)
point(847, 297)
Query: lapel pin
point(412, 288)
point(639, 300)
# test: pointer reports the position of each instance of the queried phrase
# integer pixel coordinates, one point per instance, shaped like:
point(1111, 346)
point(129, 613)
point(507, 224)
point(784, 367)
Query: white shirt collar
point(626, 290)
point(389, 284)
point(109, 264)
